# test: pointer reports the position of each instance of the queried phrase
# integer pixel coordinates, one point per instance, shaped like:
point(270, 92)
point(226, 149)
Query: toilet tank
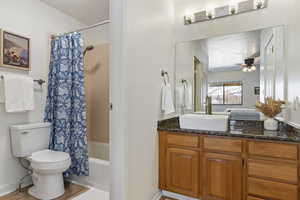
point(29, 138)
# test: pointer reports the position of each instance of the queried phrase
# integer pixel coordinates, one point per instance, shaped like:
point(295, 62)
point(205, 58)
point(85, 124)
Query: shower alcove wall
point(97, 97)
point(96, 64)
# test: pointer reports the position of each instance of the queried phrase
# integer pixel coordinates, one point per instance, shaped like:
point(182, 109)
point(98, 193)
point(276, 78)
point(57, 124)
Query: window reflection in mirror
point(226, 93)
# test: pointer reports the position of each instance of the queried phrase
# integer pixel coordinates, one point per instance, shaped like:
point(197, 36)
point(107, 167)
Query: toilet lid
point(49, 156)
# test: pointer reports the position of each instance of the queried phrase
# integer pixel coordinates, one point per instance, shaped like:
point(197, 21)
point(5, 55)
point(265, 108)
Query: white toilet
point(31, 141)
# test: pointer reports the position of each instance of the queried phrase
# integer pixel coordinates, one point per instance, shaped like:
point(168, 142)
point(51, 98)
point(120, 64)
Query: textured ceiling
point(86, 11)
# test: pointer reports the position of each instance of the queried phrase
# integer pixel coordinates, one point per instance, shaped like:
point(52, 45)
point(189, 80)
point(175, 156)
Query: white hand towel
point(188, 96)
point(167, 105)
point(19, 93)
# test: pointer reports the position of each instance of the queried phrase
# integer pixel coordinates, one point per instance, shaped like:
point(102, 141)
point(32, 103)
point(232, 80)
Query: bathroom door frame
point(198, 65)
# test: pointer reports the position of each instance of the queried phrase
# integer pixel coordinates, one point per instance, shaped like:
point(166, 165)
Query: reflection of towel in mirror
point(188, 96)
point(167, 105)
point(180, 95)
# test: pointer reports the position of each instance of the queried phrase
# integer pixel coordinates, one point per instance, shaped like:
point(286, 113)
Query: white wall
point(142, 46)
point(278, 13)
point(37, 21)
point(150, 49)
point(249, 80)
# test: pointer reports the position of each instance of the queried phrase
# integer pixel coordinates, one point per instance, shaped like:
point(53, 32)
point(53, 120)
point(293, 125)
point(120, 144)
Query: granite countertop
point(238, 128)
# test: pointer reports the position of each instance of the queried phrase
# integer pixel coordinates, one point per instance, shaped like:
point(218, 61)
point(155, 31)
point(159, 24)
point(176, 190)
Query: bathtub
point(98, 150)
point(99, 168)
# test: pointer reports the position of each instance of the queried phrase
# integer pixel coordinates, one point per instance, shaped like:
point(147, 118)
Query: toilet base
point(47, 186)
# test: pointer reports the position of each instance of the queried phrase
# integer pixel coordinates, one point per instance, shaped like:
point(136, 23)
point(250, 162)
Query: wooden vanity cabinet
point(272, 170)
point(179, 163)
point(222, 177)
point(226, 168)
point(182, 175)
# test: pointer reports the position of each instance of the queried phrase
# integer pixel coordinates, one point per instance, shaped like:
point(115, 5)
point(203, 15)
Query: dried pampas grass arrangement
point(271, 108)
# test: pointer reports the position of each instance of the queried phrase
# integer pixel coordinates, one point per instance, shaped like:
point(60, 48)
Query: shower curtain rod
point(83, 29)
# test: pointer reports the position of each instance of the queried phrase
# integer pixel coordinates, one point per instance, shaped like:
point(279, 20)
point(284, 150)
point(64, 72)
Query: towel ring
point(183, 81)
point(165, 74)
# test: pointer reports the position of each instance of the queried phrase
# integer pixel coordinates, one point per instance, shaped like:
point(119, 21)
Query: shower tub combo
point(99, 177)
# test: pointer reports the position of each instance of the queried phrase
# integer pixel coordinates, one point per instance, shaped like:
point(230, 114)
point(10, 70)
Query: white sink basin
point(204, 122)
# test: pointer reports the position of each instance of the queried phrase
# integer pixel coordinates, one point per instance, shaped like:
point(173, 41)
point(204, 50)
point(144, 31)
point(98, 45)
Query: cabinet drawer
point(221, 144)
point(253, 198)
point(183, 140)
point(273, 190)
point(275, 170)
point(285, 151)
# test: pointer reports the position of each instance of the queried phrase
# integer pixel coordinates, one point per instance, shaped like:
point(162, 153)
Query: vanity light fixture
point(233, 8)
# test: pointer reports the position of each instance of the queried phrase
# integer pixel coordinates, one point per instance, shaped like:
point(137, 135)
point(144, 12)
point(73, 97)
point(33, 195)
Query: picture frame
point(14, 51)
point(256, 90)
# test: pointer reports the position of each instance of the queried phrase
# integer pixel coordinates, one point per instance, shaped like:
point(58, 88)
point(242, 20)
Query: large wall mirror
point(235, 70)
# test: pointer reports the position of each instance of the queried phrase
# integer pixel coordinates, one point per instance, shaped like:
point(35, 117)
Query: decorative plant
point(271, 108)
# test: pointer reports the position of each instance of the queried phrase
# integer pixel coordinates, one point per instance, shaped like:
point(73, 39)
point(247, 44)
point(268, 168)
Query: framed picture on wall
point(15, 51)
point(257, 90)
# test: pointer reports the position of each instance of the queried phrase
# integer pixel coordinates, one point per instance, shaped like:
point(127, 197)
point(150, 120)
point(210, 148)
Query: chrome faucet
point(208, 105)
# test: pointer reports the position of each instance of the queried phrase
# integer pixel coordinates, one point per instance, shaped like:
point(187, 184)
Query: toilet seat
point(49, 156)
point(48, 161)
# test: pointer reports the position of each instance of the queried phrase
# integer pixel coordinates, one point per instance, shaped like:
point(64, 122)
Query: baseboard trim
point(8, 188)
point(176, 196)
point(157, 196)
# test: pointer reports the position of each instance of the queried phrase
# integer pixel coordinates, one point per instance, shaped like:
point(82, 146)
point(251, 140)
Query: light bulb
point(253, 68)
point(259, 4)
point(210, 12)
point(233, 7)
point(190, 18)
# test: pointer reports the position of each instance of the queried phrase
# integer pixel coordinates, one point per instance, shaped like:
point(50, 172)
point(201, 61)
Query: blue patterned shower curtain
point(66, 106)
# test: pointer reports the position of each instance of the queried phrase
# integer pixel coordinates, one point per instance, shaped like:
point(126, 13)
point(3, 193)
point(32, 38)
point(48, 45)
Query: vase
point(271, 124)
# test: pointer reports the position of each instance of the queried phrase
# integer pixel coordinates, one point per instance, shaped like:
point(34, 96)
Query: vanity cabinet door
point(182, 171)
point(222, 177)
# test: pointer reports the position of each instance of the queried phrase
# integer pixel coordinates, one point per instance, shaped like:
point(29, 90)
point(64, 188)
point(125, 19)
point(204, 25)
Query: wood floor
point(72, 191)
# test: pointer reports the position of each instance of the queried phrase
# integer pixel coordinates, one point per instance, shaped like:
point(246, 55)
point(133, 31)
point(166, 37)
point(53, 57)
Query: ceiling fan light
point(253, 68)
point(245, 69)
